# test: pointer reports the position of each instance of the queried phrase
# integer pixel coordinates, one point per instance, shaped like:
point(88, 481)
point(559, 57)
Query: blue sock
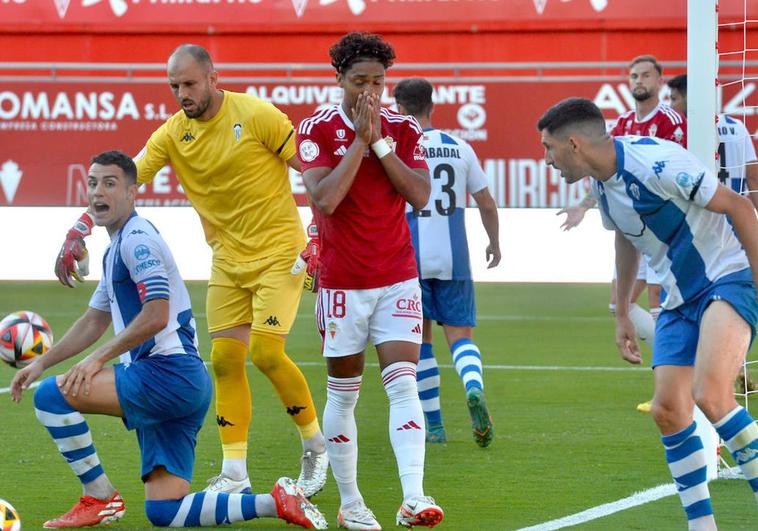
point(428, 384)
point(686, 459)
point(740, 434)
point(69, 431)
point(201, 509)
point(468, 363)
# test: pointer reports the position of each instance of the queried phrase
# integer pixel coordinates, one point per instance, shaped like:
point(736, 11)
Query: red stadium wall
point(495, 107)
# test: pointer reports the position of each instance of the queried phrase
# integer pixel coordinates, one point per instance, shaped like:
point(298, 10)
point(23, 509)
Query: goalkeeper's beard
point(200, 108)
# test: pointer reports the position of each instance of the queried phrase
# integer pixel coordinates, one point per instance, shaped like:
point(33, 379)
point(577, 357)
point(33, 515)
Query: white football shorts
point(644, 271)
point(349, 318)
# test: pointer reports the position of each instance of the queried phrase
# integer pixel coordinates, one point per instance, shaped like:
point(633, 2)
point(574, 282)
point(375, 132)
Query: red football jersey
point(663, 122)
point(366, 242)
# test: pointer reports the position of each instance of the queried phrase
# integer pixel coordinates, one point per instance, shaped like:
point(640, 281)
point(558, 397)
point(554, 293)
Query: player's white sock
point(428, 384)
point(468, 363)
point(644, 323)
point(235, 469)
point(740, 434)
point(71, 434)
point(342, 435)
point(686, 459)
point(407, 431)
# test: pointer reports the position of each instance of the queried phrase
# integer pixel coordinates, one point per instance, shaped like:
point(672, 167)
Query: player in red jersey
point(361, 163)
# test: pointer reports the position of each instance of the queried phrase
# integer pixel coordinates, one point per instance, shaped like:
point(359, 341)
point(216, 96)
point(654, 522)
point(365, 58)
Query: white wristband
point(381, 148)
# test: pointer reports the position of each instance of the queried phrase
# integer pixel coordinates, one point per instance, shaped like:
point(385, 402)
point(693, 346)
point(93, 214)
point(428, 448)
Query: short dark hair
point(415, 94)
point(197, 52)
point(679, 83)
point(120, 159)
point(359, 46)
point(569, 112)
point(647, 59)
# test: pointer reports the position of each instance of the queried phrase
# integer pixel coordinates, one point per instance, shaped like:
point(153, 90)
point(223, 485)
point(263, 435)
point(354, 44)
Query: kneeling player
point(162, 390)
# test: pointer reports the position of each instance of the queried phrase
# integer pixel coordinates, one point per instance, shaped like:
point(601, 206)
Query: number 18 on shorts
point(349, 318)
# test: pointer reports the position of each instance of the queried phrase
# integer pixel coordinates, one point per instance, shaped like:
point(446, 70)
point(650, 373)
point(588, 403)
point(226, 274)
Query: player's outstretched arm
point(740, 210)
point(72, 261)
point(84, 332)
point(627, 261)
point(491, 223)
point(575, 214)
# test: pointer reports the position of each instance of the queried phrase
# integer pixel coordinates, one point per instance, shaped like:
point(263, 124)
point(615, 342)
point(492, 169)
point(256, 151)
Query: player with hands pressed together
point(361, 164)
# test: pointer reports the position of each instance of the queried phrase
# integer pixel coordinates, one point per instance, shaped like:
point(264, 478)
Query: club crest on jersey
point(419, 153)
point(141, 252)
point(653, 129)
point(678, 135)
point(341, 134)
point(635, 191)
point(237, 128)
point(308, 150)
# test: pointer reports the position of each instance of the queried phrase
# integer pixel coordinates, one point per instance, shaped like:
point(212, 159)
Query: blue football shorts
point(677, 331)
point(165, 399)
point(449, 302)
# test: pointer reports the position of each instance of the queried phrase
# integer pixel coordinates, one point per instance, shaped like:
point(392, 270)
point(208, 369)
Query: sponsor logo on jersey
point(340, 151)
point(272, 321)
point(658, 167)
point(188, 137)
point(308, 150)
point(147, 264)
point(237, 129)
point(141, 252)
point(684, 179)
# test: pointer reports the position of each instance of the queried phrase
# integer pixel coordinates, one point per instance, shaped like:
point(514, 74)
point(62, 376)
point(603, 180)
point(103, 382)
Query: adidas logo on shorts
point(416, 329)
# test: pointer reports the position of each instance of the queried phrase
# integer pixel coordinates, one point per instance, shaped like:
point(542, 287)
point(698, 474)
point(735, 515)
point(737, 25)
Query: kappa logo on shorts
point(221, 421)
point(294, 410)
point(272, 321)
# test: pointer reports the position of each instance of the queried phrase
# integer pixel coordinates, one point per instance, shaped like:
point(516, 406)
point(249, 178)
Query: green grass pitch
point(568, 436)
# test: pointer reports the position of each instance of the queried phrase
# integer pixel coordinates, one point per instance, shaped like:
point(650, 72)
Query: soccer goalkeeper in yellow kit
point(230, 152)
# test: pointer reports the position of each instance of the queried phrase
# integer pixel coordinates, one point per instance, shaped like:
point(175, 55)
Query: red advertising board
point(121, 16)
point(48, 132)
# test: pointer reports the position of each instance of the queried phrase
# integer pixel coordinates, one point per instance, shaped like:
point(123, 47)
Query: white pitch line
point(8, 389)
point(639, 498)
point(512, 367)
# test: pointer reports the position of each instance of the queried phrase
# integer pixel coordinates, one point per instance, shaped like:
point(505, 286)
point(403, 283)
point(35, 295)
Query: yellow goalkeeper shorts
point(262, 293)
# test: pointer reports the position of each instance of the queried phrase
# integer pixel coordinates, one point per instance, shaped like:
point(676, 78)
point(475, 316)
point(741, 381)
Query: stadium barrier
point(533, 246)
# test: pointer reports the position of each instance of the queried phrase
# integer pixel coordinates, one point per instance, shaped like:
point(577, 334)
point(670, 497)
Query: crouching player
point(162, 390)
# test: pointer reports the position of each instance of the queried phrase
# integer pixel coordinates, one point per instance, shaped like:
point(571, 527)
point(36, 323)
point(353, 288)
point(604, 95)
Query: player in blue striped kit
point(661, 201)
point(438, 232)
point(161, 388)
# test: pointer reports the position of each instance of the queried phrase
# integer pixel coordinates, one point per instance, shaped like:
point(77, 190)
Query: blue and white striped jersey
point(735, 150)
point(657, 200)
point(438, 231)
point(137, 267)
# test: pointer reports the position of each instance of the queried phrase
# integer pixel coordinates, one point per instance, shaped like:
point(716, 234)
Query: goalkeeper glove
point(73, 259)
point(308, 260)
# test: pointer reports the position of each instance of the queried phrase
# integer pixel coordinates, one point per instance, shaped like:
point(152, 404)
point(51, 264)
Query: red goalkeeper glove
point(308, 260)
point(73, 260)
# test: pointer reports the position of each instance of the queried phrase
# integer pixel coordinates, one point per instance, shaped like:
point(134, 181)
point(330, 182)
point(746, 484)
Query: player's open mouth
point(100, 208)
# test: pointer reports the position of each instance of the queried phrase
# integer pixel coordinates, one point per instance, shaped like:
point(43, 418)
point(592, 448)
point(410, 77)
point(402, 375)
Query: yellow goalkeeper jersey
point(233, 169)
